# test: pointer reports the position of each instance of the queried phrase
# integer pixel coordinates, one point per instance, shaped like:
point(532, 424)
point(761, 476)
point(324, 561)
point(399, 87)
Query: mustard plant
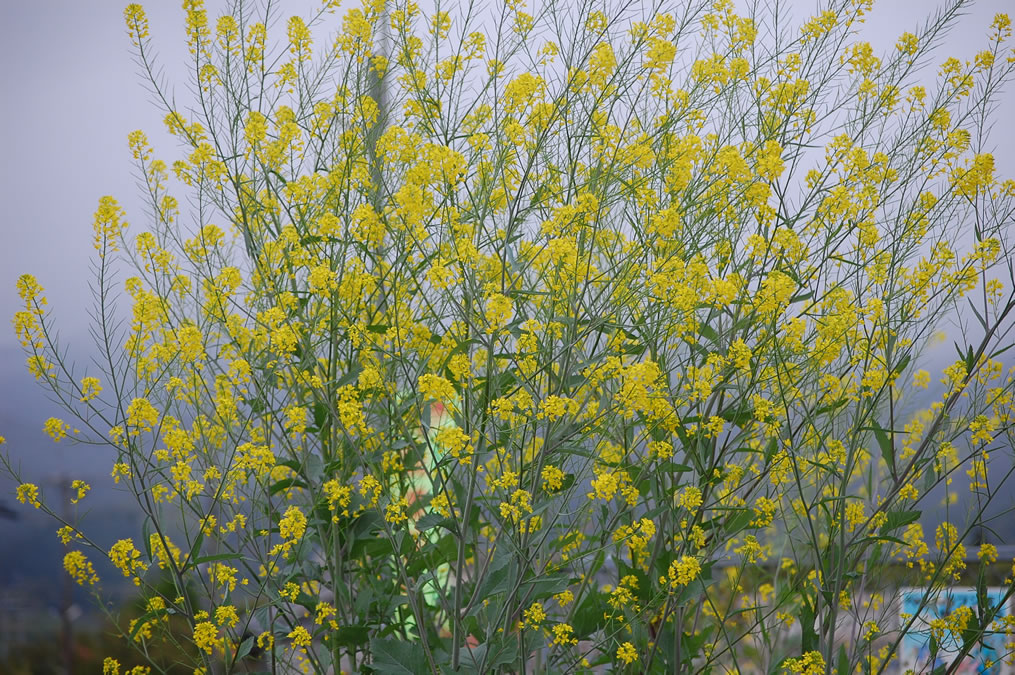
point(580, 336)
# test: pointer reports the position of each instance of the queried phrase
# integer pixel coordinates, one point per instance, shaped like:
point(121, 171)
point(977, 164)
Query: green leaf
point(353, 635)
point(496, 580)
point(694, 643)
point(500, 384)
point(928, 481)
point(489, 655)
point(808, 637)
point(979, 317)
point(569, 480)
point(709, 333)
point(320, 414)
point(739, 415)
point(285, 484)
point(195, 550)
point(1002, 350)
point(349, 378)
point(545, 586)
point(689, 595)
point(885, 538)
point(291, 463)
point(244, 647)
point(436, 551)
point(737, 520)
point(983, 604)
point(887, 446)
point(901, 365)
point(256, 403)
point(831, 407)
point(146, 531)
point(397, 657)
point(588, 618)
point(633, 350)
point(897, 519)
point(145, 618)
point(218, 556)
point(432, 520)
point(843, 665)
point(471, 658)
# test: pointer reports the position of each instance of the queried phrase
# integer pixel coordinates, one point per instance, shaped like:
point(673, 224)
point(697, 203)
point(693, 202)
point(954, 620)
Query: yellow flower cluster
point(206, 637)
point(109, 225)
point(811, 663)
point(534, 615)
point(435, 387)
point(291, 527)
point(681, 572)
point(126, 558)
point(28, 493)
point(56, 428)
point(79, 568)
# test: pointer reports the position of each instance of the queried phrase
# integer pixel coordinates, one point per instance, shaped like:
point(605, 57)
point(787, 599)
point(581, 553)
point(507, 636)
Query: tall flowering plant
point(551, 338)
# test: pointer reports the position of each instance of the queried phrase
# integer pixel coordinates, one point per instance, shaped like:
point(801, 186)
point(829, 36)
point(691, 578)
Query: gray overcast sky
point(69, 94)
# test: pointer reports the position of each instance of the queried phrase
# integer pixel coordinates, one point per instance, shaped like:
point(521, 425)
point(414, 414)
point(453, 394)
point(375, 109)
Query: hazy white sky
point(70, 93)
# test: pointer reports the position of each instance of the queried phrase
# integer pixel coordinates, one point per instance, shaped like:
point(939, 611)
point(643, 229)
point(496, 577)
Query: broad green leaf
point(394, 657)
